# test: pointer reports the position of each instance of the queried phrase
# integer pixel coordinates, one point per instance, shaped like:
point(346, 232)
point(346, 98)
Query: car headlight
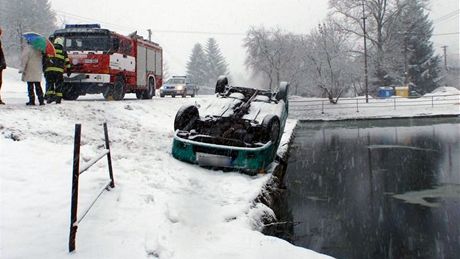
point(179, 87)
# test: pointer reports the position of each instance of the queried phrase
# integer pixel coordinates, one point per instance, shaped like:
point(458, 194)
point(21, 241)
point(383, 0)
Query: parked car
point(178, 85)
point(241, 129)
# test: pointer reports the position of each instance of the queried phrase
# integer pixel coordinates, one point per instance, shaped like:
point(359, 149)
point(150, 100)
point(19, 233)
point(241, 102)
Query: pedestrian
point(54, 72)
point(2, 65)
point(32, 70)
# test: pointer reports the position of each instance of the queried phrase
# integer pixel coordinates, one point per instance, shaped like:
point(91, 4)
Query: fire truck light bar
point(89, 26)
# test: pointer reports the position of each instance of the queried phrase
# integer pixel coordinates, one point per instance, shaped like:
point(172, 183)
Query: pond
point(374, 189)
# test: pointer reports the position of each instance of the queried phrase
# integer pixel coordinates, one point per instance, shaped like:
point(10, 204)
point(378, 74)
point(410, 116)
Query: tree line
point(329, 60)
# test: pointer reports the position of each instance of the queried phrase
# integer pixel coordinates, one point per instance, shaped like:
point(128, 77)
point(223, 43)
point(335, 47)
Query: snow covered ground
point(160, 207)
point(442, 101)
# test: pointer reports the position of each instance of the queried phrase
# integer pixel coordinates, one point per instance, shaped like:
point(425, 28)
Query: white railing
point(359, 104)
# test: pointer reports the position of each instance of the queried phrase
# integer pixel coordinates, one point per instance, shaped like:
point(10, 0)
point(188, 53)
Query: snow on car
point(240, 129)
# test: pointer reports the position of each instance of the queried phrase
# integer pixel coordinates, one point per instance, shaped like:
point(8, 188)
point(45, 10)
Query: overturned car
point(241, 129)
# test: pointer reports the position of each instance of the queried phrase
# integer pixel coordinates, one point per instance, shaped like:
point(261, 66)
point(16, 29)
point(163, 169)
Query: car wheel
point(162, 95)
point(222, 82)
point(270, 129)
point(139, 95)
point(107, 93)
point(186, 117)
point(193, 94)
point(150, 91)
point(69, 93)
point(173, 95)
point(118, 92)
point(282, 93)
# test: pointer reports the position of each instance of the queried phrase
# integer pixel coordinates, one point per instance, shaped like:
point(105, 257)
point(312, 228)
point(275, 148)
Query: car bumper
point(171, 92)
point(87, 78)
point(250, 160)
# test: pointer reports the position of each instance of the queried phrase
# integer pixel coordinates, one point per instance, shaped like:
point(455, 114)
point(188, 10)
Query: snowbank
point(160, 207)
point(444, 90)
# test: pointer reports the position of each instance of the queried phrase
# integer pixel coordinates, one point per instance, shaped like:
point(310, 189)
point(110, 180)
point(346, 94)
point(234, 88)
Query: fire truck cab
point(106, 62)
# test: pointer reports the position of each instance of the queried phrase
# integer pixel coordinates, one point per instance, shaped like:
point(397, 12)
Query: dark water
point(374, 189)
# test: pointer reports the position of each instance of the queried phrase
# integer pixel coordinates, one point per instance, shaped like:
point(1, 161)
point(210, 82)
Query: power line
point(447, 16)
point(448, 33)
point(156, 31)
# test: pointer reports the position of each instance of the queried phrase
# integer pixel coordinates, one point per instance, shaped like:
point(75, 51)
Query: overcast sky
point(226, 21)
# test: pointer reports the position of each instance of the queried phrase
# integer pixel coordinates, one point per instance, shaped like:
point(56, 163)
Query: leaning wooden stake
point(75, 176)
point(109, 157)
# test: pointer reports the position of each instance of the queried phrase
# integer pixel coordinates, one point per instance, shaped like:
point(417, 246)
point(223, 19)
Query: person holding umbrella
point(54, 71)
point(2, 65)
point(32, 69)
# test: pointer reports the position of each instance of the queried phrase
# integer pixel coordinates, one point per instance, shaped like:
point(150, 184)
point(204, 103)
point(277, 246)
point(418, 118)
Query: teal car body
point(240, 129)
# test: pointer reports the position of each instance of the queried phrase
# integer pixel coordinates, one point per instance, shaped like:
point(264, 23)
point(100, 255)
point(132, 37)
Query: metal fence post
point(357, 107)
point(432, 101)
point(109, 157)
point(394, 100)
point(322, 107)
point(75, 176)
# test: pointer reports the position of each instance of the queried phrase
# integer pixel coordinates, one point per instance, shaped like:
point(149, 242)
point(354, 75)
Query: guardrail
point(74, 221)
point(357, 104)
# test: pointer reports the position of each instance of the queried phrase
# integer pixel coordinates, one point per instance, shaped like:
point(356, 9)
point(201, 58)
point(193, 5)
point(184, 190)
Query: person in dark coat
point(54, 72)
point(2, 66)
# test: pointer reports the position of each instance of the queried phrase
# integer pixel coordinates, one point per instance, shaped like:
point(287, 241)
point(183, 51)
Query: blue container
point(385, 92)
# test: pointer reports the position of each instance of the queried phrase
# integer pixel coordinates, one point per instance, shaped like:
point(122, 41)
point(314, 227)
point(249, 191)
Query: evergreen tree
point(216, 65)
point(20, 16)
point(197, 65)
point(418, 63)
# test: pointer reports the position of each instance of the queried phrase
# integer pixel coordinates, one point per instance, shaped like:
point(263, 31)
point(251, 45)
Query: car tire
point(118, 91)
point(173, 95)
point(107, 93)
point(271, 129)
point(282, 93)
point(193, 94)
point(222, 82)
point(139, 95)
point(150, 91)
point(162, 95)
point(186, 115)
point(69, 93)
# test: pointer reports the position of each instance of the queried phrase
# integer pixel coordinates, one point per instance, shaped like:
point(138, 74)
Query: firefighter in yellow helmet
point(55, 66)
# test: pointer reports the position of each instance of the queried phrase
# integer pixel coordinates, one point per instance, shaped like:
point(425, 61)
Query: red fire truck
point(109, 63)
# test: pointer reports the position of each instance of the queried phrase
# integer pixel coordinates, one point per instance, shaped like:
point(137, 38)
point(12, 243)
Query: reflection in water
point(353, 187)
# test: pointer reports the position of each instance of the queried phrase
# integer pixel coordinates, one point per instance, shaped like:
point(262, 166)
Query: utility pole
point(406, 65)
point(366, 78)
point(445, 56)
point(150, 34)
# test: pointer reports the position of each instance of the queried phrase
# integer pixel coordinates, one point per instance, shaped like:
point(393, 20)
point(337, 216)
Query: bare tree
point(270, 52)
point(380, 15)
point(332, 61)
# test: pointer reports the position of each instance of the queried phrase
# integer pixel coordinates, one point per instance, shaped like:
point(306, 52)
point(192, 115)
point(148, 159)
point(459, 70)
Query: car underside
point(241, 129)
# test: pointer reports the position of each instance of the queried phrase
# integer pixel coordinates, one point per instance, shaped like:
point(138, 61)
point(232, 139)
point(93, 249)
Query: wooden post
point(109, 157)
point(75, 176)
